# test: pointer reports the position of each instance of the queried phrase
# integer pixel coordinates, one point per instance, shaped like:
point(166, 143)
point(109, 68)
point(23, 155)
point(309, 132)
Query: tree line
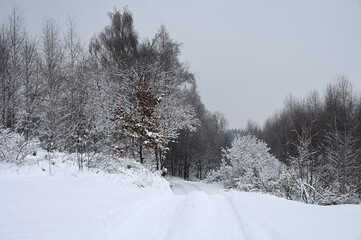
point(308, 151)
point(122, 95)
point(133, 97)
point(318, 138)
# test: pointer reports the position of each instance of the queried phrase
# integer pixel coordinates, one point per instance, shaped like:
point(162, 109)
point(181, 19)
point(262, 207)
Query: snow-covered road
point(196, 211)
point(34, 205)
point(207, 211)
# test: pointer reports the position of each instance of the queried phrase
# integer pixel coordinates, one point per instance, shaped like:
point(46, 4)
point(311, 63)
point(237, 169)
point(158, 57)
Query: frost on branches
point(138, 124)
point(248, 166)
point(150, 121)
point(14, 148)
point(143, 83)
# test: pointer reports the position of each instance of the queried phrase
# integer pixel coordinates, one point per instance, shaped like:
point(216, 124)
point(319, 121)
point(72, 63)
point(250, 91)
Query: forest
point(134, 98)
point(120, 95)
point(316, 141)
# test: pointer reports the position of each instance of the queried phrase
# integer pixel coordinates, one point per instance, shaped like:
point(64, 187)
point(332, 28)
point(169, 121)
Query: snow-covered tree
point(77, 94)
point(131, 71)
point(14, 147)
point(138, 126)
point(195, 153)
point(252, 166)
point(53, 109)
point(31, 90)
point(174, 115)
point(4, 62)
point(11, 97)
point(305, 160)
point(342, 156)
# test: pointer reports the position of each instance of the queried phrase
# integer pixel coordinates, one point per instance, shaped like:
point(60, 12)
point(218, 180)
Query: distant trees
point(317, 140)
point(196, 153)
point(320, 139)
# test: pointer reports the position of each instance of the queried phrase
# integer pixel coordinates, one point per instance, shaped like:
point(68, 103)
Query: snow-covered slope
point(90, 205)
point(69, 204)
point(285, 219)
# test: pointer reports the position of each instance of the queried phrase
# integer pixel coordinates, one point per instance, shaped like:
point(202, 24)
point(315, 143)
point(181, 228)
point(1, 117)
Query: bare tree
point(53, 83)
point(76, 94)
point(11, 90)
point(342, 153)
point(31, 89)
point(4, 62)
point(341, 142)
point(306, 154)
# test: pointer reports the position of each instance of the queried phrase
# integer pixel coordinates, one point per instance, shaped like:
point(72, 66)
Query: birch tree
point(76, 94)
point(4, 62)
point(31, 90)
point(341, 143)
point(12, 83)
point(53, 111)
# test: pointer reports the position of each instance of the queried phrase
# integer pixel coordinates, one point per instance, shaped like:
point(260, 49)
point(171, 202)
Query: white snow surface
point(87, 205)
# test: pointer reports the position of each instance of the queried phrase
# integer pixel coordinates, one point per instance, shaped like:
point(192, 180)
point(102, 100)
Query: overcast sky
point(247, 55)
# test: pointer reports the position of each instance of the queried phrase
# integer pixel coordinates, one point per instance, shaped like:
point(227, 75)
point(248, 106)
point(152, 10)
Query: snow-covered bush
point(292, 187)
point(247, 165)
point(20, 156)
point(14, 148)
point(124, 170)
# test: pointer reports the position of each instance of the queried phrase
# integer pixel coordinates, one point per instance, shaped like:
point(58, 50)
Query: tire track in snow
point(149, 221)
point(192, 213)
point(178, 229)
point(183, 187)
point(230, 213)
point(237, 217)
point(212, 216)
point(195, 186)
point(232, 226)
point(178, 189)
point(252, 229)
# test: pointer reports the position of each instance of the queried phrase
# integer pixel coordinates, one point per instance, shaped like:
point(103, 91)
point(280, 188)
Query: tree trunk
point(141, 154)
point(156, 159)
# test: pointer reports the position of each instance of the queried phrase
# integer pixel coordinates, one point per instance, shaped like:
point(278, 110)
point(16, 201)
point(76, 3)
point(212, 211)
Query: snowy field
point(90, 205)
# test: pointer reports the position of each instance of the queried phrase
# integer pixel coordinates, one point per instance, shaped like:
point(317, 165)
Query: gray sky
point(247, 55)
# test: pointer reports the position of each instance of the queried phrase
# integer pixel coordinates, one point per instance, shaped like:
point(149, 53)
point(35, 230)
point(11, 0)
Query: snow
point(287, 219)
point(90, 205)
point(70, 204)
point(244, 215)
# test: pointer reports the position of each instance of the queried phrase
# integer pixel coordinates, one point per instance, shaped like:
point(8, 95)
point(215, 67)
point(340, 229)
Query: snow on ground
point(285, 219)
point(90, 205)
point(70, 204)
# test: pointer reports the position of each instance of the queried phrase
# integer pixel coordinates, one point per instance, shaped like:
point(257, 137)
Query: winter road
point(195, 211)
point(35, 206)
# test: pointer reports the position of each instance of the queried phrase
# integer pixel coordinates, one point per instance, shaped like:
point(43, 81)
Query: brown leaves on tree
point(139, 126)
